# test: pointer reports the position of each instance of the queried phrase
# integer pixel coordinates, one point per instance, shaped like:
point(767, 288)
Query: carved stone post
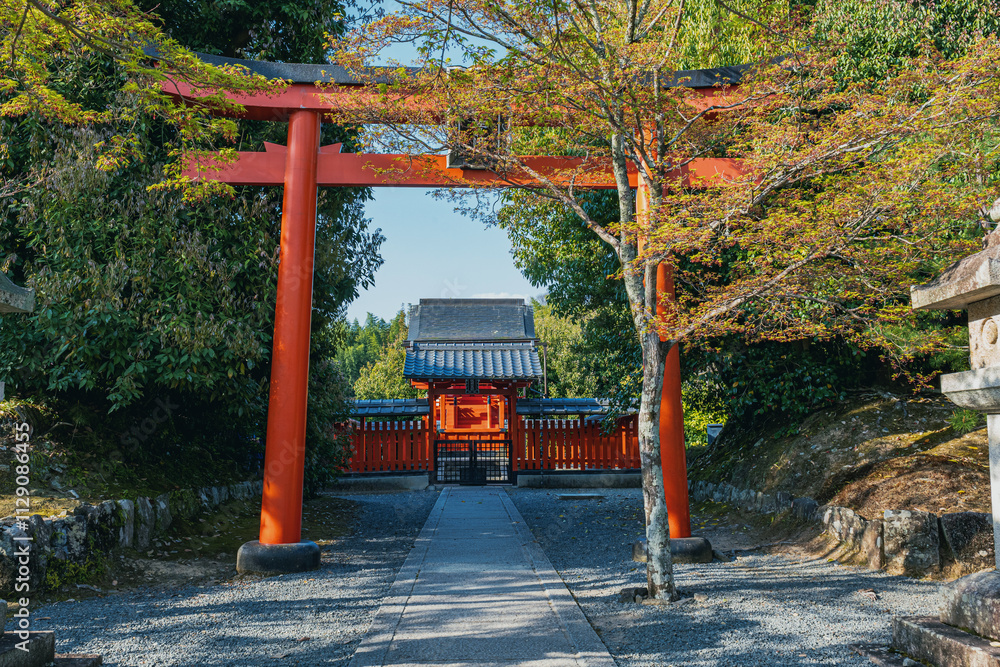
point(972, 602)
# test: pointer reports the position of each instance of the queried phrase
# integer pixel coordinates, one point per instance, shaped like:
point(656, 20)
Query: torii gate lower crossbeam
point(301, 167)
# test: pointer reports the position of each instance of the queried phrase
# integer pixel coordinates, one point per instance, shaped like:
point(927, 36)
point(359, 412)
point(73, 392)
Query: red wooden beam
point(380, 170)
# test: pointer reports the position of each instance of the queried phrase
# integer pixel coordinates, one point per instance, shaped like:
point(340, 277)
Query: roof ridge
point(474, 344)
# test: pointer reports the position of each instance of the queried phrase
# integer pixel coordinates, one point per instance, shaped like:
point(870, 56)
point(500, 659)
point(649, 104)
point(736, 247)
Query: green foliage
point(259, 30)
point(879, 37)
point(360, 345)
point(964, 421)
point(60, 572)
point(704, 404)
point(136, 292)
point(569, 367)
point(712, 36)
point(382, 377)
point(49, 45)
point(555, 251)
point(327, 443)
point(779, 381)
point(766, 379)
point(144, 299)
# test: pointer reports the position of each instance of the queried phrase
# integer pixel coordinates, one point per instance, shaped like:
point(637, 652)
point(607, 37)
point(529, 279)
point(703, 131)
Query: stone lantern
point(14, 299)
point(969, 621)
point(39, 649)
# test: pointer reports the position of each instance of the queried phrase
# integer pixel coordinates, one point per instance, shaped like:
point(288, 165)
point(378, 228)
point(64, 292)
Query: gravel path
point(761, 610)
point(315, 618)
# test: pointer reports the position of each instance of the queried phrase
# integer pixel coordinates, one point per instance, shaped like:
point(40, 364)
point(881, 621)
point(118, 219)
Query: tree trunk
point(640, 286)
point(659, 564)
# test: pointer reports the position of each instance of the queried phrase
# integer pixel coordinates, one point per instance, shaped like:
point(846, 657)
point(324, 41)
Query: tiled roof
point(551, 407)
point(471, 320)
point(392, 407)
point(485, 361)
point(530, 407)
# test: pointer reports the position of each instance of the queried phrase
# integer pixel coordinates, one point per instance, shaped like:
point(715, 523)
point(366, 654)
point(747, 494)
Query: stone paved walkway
point(477, 591)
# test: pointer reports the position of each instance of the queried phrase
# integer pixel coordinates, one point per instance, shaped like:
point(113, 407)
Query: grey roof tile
point(392, 407)
point(546, 407)
point(471, 320)
point(484, 361)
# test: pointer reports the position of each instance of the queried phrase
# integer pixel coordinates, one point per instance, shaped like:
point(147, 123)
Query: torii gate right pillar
point(673, 457)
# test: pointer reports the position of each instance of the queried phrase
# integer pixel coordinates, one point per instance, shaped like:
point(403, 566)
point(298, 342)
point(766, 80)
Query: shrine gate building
point(479, 362)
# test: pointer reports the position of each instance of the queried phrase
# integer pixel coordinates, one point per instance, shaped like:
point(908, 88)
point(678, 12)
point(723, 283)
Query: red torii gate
point(304, 165)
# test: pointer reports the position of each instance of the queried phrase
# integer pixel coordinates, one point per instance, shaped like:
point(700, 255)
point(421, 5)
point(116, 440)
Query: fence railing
point(575, 444)
point(391, 447)
point(537, 444)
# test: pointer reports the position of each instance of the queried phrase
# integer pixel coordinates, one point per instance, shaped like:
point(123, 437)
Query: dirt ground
point(203, 552)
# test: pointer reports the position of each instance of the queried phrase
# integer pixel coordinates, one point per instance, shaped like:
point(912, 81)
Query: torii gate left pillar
point(280, 547)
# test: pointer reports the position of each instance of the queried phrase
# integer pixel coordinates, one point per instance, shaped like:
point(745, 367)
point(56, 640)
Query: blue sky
point(431, 251)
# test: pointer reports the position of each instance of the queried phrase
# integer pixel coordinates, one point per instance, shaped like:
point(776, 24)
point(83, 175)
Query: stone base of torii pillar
point(966, 632)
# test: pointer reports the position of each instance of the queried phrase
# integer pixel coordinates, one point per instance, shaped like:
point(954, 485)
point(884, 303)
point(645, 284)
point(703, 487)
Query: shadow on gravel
point(311, 618)
point(758, 611)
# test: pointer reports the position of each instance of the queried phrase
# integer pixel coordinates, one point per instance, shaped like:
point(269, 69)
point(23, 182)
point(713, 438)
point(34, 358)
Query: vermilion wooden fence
point(539, 444)
point(574, 444)
point(391, 446)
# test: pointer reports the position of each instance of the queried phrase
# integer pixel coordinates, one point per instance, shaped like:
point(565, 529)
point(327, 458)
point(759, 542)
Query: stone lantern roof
point(14, 299)
point(968, 280)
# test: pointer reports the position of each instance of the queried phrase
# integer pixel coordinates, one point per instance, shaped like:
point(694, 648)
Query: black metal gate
point(472, 461)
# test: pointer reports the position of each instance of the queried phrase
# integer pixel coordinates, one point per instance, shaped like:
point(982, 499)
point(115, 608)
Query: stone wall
point(908, 542)
point(84, 539)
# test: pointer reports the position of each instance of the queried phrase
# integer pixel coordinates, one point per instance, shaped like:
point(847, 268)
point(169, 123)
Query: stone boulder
point(804, 509)
point(185, 504)
point(968, 540)
point(846, 525)
point(973, 603)
point(163, 517)
point(748, 500)
point(783, 501)
point(722, 493)
point(911, 542)
point(69, 537)
point(13, 541)
point(101, 534)
point(126, 529)
point(40, 531)
point(872, 544)
point(145, 523)
point(768, 504)
point(8, 559)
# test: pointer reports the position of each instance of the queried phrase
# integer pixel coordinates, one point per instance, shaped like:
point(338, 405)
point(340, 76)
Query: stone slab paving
point(477, 591)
